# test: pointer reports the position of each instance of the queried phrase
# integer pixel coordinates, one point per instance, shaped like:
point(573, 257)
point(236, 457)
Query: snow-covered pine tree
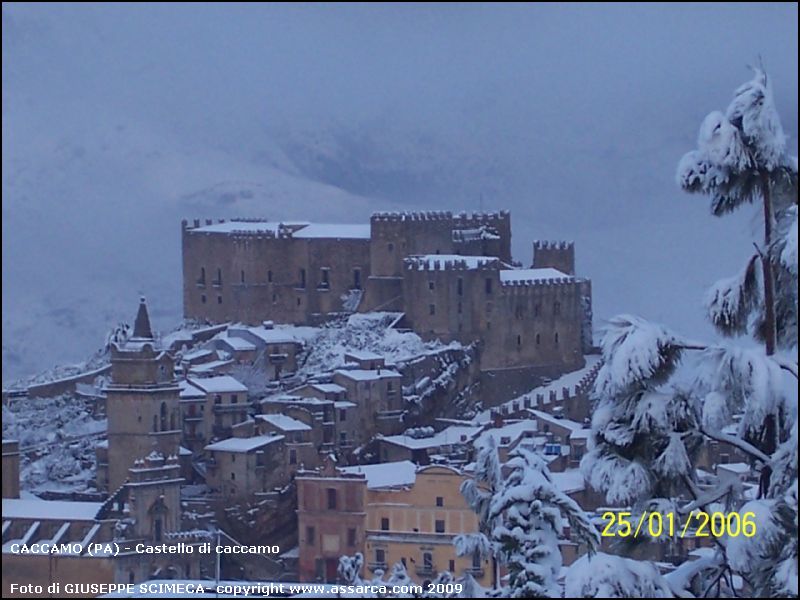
point(531, 516)
point(645, 431)
point(609, 576)
point(478, 492)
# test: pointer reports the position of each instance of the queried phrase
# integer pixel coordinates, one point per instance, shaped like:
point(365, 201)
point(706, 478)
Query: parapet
point(450, 262)
point(462, 218)
point(553, 245)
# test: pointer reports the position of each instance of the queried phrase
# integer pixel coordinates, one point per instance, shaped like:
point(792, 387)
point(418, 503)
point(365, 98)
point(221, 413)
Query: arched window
point(163, 416)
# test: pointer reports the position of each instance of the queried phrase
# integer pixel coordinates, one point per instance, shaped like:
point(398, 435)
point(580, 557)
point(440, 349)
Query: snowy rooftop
point(513, 431)
point(569, 481)
point(235, 342)
point(243, 445)
point(457, 434)
point(430, 261)
point(392, 474)
point(220, 383)
point(367, 375)
point(269, 336)
point(292, 399)
point(566, 423)
point(190, 391)
point(507, 275)
point(329, 388)
point(339, 232)
point(197, 354)
point(740, 468)
point(244, 227)
point(284, 423)
point(210, 367)
point(14, 508)
point(344, 404)
point(363, 355)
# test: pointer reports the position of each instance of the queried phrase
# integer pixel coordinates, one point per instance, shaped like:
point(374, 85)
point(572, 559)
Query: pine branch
point(739, 443)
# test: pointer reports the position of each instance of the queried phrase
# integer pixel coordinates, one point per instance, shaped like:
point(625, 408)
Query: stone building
point(391, 513)
point(243, 466)
point(10, 469)
point(452, 276)
point(221, 403)
point(142, 403)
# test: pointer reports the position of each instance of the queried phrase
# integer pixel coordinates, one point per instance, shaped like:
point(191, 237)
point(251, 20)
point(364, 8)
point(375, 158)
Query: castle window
point(460, 308)
point(302, 278)
point(460, 286)
point(555, 338)
point(219, 299)
point(163, 416)
point(269, 276)
point(519, 340)
point(233, 475)
point(242, 275)
point(299, 302)
point(488, 284)
point(390, 246)
point(203, 298)
point(538, 339)
point(202, 280)
point(557, 308)
point(218, 280)
point(431, 285)
point(357, 279)
point(439, 526)
point(331, 493)
point(325, 278)
point(432, 309)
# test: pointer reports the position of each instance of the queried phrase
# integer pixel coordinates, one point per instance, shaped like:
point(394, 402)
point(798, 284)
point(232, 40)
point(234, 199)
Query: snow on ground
point(326, 346)
point(60, 434)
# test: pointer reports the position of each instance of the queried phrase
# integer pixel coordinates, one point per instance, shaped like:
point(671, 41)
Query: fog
point(119, 120)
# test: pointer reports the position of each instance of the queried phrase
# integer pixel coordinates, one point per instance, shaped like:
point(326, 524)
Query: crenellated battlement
point(524, 285)
point(553, 245)
point(451, 263)
point(459, 219)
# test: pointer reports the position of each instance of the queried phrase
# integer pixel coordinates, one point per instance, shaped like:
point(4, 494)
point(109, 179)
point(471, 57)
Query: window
point(325, 278)
point(302, 278)
point(385, 524)
point(380, 556)
point(233, 475)
point(555, 338)
point(488, 286)
point(343, 437)
point(538, 339)
point(439, 501)
point(552, 449)
point(452, 565)
point(390, 247)
point(218, 280)
point(202, 279)
point(310, 535)
point(351, 537)
point(203, 298)
point(219, 299)
point(274, 298)
point(218, 399)
point(163, 419)
point(357, 279)
point(427, 561)
point(155, 423)
point(460, 308)
point(299, 302)
point(292, 456)
point(519, 340)
point(431, 285)
point(242, 275)
point(269, 276)
point(342, 414)
point(439, 526)
point(331, 493)
point(460, 286)
point(432, 309)
point(389, 386)
point(476, 560)
point(234, 399)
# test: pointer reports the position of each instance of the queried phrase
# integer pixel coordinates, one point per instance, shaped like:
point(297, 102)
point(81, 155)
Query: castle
point(451, 275)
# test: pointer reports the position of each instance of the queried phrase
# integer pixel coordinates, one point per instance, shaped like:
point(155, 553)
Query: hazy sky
point(119, 120)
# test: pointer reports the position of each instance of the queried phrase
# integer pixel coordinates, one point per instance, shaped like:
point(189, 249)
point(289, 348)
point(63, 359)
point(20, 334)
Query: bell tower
point(142, 401)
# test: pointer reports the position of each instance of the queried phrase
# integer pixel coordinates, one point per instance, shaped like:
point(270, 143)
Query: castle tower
point(154, 496)
point(555, 255)
point(142, 401)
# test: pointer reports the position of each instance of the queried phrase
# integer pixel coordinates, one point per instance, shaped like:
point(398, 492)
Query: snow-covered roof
point(329, 388)
point(362, 355)
point(184, 451)
point(235, 342)
point(367, 375)
point(566, 423)
point(199, 353)
point(531, 274)
point(243, 445)
point(384, 475)
point(284, 422)
point(244, 227)
point(63, 510)
point(451, 435)
point(740, 468)
point(210, 367)
point(429, 261)
point(569, 481)
point(270, 336)
point(344, 404)
point(332, 231)
point(220, 383)
point(190, 391)
point(512, 431)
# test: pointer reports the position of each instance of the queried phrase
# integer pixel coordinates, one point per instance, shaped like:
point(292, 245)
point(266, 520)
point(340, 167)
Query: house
point(244, 466)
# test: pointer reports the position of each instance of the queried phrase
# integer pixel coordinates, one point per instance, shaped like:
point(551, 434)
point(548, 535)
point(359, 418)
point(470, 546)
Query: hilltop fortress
point(451, 275)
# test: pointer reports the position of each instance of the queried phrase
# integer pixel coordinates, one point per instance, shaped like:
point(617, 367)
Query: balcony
point(228, 408)
point(426, 571)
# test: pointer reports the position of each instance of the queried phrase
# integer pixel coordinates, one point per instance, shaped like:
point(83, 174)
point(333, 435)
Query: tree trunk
point(770, 326)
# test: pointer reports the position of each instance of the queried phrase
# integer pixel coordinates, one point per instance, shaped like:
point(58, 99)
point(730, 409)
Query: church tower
point(142, 402)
